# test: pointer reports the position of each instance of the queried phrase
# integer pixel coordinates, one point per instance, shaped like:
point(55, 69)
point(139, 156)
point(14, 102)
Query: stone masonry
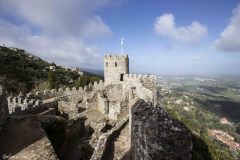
point(110, 97)
point(153, 133)
point(115, 66)
point(3, 108)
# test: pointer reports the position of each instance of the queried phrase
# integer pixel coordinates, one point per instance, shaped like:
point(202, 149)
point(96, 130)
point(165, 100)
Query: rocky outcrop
point(155, 135)
point(3, 108)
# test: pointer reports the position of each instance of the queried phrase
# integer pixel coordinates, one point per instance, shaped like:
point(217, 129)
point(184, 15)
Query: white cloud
point(229, 39)
point(55, 30)
point(165, 26)
point(197, 58)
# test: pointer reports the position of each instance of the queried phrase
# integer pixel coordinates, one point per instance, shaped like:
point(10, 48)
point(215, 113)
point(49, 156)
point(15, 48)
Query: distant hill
point(25, 72)
point(94, 71)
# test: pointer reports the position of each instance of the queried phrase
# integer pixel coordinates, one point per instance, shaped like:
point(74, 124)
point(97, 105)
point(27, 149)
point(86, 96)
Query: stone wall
point(114, 66)
point(141, 86)
point(101, 149)
point(42, 149)
point(34, 99)
point(23, 138)
point(3, 108)
point(155, 135)
point(33, 107)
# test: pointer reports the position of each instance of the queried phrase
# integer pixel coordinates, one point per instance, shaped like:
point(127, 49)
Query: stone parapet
point(155, 135)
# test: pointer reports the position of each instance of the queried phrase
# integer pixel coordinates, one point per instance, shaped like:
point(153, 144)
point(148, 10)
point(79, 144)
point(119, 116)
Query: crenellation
point(74, 89)
point(20, 100)
point(38, 93)
point(53, 91)
point(80, 89)
point(23, 107)
point(116, 56)
point(90, 85)
point(60, 90)
point(14, 99)
point(25, 101)
point(38, 102)
point(46, 92)
point(30, 95)
point(114, 100)
point(67, 89)
point(9, 99)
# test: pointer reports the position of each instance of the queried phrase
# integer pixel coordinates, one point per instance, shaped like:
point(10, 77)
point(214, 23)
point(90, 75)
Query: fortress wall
point(81, 97)
point(35, 145)
point(143, 86)
point(92, 102)
point(41, 148)
point(66, 91)
point(104, 142)
point(103, 104)
point(148, 81)
point(22, 106)
point(3, 108)
point(113, 92)
point(164, 137)
point(35, 99)
point(16, 103)
point(114, 110)
point(98, 85)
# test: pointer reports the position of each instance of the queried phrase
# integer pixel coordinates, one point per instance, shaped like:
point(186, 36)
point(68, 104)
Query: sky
point(160, 36)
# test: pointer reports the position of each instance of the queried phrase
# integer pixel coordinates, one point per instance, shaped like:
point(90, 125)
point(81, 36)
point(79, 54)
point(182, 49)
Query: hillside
point(210, 108)
point(25, 72)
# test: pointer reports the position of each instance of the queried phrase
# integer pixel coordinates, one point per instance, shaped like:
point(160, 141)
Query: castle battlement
point(139, 76)
point(105, 111)
point(116, 72)
point(22, 104)
point(115, 56)
point(34, 99)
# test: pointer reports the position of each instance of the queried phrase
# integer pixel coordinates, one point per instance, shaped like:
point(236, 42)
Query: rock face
point(3, 108)
point(155, 135)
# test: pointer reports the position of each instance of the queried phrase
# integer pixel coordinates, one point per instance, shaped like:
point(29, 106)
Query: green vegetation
point(27, 73)
point(199, 121)
point(85, 80)
point(200, 105)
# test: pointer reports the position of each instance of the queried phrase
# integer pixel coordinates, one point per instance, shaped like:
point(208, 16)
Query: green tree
point(52, 80)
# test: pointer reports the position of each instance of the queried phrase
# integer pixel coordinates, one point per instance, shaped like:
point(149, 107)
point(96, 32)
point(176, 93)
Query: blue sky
point(160, 36)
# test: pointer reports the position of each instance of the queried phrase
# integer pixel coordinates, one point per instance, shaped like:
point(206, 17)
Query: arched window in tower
point(106, 64)
point(115, 64)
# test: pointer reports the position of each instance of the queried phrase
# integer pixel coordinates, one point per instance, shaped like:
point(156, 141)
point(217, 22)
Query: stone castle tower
point(115, 66)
